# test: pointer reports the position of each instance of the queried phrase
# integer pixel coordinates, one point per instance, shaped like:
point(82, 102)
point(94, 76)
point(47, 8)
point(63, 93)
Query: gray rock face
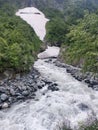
point(4, 97)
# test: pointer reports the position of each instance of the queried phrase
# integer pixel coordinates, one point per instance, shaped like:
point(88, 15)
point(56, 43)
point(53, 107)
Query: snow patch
point(36, 19)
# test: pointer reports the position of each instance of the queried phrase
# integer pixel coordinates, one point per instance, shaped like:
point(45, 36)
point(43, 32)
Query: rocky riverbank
point(77, 73)
point(23, 88)
point(26, 87)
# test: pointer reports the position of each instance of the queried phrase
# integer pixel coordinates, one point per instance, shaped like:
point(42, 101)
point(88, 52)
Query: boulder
point(12, 92)
point(5, 105)
point(3, 97)
point(25, 93)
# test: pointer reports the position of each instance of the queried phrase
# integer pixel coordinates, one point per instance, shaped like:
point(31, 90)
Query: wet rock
point(2, 89)
point(90, 85)
point(87, 77)
point(87, 81)
point(95, 87)
point(17, 94)
point(47, 82)
point(40, 87)
point(20, 97)
point(34, 89)
point(3, 97)
point(20, 88)
point(5, 105)
point(55, 84)
point(83, 107)
point(17, 76)
point(25, 93)
point(10, 100)
point(12, 92)
point(8, 74)
point(23, 88)
point(94, 82)
point(53, 87)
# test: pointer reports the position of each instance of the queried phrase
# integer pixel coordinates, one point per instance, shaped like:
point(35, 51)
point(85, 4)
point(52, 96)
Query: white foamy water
point(72, 105)
point(36, 19)
point(49, 52)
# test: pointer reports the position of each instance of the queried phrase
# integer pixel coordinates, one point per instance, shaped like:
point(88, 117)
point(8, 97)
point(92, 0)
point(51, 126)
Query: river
point(74, 104)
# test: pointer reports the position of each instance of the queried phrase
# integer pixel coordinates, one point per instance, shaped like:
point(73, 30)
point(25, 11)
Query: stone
point(2, 89)
point(34, 89)
point(95, 87)
point(25, 93)
point(83, 107)
point(40, 87)
point(94, 82)
point(5, 105)
point(53, 88)
point(4, 97)
point(17, 94)
point(12, 92)
point(20, 97)
point(8, 74)
point(24, 88)
point(17, 76)
point(48, 82)
point(10, 99)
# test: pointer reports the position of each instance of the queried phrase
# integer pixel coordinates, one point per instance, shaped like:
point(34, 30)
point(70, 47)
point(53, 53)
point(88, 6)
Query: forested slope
point(77, 34)
point(73, 26)
point(19, 44)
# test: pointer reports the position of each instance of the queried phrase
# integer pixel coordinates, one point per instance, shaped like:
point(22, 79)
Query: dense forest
point(19, 44)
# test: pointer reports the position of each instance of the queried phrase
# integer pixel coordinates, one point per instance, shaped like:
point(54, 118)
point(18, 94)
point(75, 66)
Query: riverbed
point(71, 104)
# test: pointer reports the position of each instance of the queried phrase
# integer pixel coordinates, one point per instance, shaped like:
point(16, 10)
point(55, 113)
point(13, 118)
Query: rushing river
point(72, 105)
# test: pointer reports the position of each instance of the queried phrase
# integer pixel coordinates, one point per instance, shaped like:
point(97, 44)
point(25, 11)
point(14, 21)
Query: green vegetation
point(56, 31)
point(93, 126)
point(19, 44)
point(72, 25)
point(78, 37)
point(82, 44)
point(52, 13)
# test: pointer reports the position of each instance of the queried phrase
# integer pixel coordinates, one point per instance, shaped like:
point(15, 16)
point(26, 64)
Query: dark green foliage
point(77, 29)
point(53, 13)
point(56, 31)
point(79, 37)
point(18, 43)
point(82, 44)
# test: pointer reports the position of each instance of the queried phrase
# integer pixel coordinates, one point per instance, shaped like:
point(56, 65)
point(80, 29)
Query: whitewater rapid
point(74, 104)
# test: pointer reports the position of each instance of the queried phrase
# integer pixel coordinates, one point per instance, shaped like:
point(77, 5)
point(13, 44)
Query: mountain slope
point(19, 44)
point(66, 12)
